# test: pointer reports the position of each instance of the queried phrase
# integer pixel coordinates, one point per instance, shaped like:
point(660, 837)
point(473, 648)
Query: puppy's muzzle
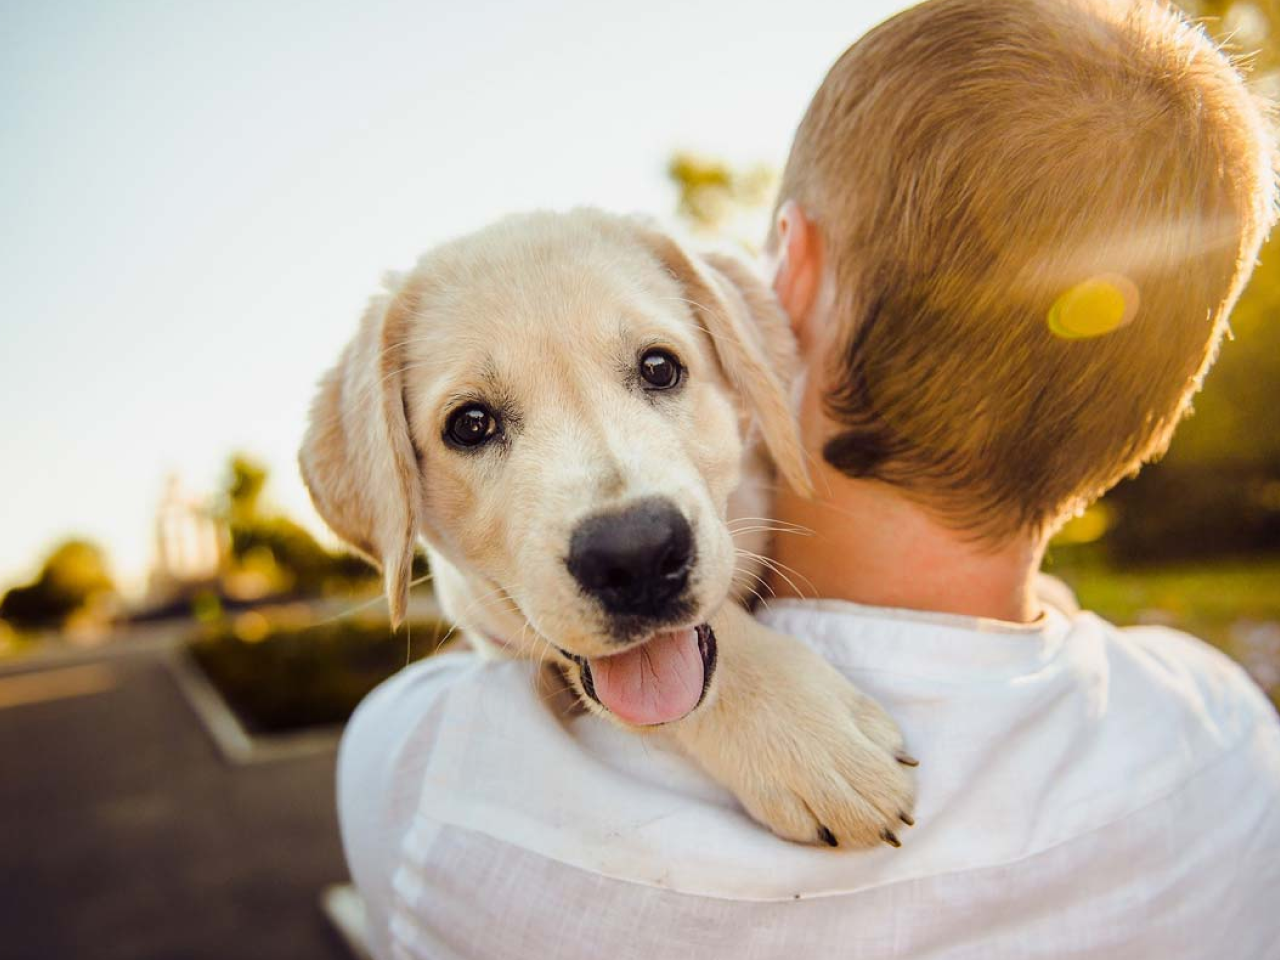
point(634, 562)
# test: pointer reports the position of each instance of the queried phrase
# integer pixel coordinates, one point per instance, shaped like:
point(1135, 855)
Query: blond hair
point(972, 166)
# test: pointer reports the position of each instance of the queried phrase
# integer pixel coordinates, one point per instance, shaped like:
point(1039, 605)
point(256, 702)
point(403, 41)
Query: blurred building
point(192, 546)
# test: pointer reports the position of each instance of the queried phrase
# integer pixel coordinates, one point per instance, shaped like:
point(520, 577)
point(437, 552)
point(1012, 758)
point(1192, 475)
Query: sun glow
point(1094, 308)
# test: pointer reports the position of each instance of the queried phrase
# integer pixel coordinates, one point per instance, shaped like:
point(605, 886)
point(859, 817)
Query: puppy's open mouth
point(658, 681)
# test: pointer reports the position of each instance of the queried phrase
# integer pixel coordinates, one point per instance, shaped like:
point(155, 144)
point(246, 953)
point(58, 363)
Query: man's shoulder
point(390, 742)
point(1181, 668)
point(417, 695)
point(1179, 662)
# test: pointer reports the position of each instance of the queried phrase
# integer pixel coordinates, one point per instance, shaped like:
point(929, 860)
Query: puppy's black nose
point(635, 562)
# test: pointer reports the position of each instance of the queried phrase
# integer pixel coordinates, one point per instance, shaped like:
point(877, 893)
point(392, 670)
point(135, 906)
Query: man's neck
point(873, 546)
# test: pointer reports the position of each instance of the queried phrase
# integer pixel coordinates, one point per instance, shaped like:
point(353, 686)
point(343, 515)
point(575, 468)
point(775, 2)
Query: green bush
point(308, 676)
point(72, 576)
point(1186, 513)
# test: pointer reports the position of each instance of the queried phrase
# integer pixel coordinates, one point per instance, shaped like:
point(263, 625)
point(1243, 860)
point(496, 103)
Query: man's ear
point(752, 341)
point(797, 268)
point(357, 457)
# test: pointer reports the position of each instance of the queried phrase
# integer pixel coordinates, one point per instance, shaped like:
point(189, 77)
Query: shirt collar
point(918, 642)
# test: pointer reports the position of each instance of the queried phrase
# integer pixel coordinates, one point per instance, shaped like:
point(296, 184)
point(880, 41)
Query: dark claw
point(889, 838)
point(907, 819)
point(827, 837)
point(907, 761)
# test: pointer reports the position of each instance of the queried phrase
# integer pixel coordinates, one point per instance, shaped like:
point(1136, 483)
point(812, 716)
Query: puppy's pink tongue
point(656, 682)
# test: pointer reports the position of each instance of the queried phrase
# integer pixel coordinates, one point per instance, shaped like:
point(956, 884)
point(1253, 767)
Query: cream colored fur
point(546, 315)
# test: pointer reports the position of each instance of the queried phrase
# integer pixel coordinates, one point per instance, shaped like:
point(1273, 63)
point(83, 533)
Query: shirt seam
point(951, 621)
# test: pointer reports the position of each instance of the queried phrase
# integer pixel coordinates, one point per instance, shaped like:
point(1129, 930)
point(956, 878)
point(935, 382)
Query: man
point(1009, 237)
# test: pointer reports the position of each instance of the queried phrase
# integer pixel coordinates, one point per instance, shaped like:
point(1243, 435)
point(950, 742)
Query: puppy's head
point(559, 404)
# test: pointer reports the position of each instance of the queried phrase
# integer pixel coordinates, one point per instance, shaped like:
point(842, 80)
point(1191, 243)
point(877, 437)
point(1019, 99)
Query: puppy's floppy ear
point(357, 458)
point(753, 342)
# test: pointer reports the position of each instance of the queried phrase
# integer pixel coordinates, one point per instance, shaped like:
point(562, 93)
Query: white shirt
point(1084, 791)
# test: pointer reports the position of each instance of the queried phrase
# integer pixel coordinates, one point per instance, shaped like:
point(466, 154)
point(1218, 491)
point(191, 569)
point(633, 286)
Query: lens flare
point(1094, 308)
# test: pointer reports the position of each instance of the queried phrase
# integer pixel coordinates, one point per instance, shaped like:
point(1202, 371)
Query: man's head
point(1010, 233)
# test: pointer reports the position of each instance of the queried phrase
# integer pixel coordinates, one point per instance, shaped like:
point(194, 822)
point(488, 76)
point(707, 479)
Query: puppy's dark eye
point(660, 370)
point(471, 426)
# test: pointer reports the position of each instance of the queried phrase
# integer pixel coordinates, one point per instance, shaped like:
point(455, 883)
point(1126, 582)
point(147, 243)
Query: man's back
point(1083, 791)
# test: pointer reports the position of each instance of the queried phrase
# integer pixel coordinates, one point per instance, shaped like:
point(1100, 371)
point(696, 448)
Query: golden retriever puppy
point(571, 411)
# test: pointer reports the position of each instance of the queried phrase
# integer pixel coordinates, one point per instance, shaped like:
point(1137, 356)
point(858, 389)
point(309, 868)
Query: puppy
point(573, 411)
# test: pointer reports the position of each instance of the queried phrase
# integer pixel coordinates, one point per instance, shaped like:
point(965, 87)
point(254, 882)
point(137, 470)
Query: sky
point(198, 198)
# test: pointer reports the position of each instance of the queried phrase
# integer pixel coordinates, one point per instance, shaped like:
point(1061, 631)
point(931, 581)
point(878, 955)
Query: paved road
point(124, 835)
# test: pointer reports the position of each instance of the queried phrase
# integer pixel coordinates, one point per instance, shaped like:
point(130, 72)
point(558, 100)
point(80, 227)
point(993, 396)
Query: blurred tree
point(73, 576)
point(245, 480)
point(279, 553)
point(714, 198)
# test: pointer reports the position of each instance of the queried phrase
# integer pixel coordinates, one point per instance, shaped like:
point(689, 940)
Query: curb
point(344, 909)
point(235, 743)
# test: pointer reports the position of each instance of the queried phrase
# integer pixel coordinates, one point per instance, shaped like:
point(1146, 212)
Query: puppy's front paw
point(833, 769)
point(805, 752)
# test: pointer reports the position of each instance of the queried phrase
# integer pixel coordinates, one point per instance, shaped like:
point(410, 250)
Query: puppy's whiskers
point(692, 303)
point(365, 605)
point(381, 382)
point(743, 531)
point(711, 334)
point(744, 572)
point(771, 520)
point(509, 602)
point(774, 522)
point(753, 591)
point(781, 569)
